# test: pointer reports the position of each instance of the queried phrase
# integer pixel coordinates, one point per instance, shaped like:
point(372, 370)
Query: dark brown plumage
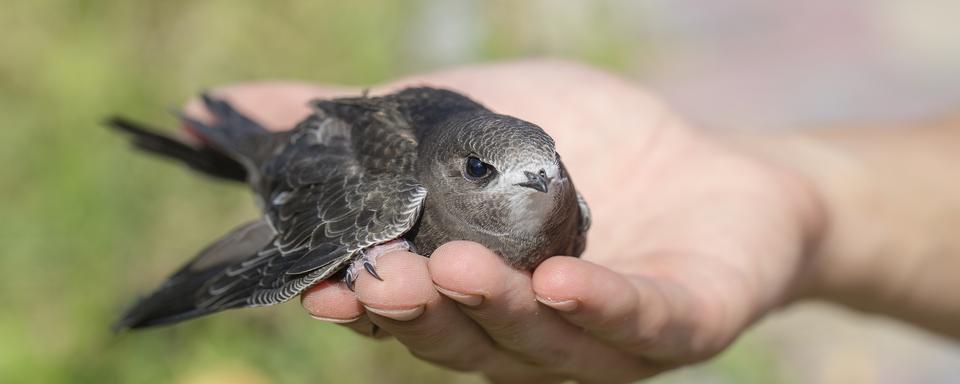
point(423, 165)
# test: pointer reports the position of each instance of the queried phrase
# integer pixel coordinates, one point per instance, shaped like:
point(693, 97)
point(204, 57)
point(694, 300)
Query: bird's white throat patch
point(530, 208)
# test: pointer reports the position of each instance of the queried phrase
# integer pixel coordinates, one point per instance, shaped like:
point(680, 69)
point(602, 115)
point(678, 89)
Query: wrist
point(799, 160)
point(891, 206)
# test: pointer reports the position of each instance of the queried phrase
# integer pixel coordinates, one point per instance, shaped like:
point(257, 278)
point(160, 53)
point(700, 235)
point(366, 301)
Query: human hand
point(692, 240)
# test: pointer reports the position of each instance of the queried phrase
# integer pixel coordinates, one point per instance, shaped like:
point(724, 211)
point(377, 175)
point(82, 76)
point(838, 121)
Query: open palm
point(692, 240)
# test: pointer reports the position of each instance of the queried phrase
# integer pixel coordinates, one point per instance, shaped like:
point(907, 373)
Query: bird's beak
point(535, 181)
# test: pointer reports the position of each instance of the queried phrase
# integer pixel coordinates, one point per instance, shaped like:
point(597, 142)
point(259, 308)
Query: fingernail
point(335, 320)
point(398, 314)
point(560, 305)
point(462, 298)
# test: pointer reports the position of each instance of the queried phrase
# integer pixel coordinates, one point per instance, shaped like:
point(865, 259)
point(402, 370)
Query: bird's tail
point(234, 134)
point(201, 158)
point(230, 148)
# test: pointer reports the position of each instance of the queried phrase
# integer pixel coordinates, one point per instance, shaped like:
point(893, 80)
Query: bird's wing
point(173, 300)
point(585, 220)
point(325, 197)
point(342, 185)
point(320, 228)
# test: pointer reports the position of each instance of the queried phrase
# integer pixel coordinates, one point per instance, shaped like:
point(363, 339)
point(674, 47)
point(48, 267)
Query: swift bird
point(357, 178)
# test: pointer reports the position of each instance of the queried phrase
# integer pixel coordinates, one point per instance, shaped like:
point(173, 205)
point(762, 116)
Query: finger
point(275, 105)
point(644, 316)
point(333, 302)
point(501, 300)
point(406, 304)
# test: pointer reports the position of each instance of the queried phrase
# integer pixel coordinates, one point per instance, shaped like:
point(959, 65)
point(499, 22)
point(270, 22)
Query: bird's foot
point(368, 259)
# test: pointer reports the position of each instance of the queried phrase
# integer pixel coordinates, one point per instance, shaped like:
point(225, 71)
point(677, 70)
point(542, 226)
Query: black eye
point(477, 169)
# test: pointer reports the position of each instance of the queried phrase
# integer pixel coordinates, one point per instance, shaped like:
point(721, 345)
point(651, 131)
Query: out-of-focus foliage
point(87, 224)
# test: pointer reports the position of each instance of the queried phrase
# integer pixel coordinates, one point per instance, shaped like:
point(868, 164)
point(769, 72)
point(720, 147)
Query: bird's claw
point(350, 281)
point(351, 278)
point(372, 270)
point(368, 260)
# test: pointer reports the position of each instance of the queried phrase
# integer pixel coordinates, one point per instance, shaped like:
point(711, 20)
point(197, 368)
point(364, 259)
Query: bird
point(357, 178)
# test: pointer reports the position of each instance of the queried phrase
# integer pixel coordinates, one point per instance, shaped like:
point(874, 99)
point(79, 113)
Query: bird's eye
point(476, 169)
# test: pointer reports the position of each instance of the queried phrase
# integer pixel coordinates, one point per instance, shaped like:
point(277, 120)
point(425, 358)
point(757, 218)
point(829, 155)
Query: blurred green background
point(88, 224)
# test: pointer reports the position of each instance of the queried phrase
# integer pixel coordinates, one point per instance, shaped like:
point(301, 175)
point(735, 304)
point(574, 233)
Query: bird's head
point(496, 173)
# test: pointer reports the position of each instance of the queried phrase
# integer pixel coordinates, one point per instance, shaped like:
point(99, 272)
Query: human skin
point(694, 238)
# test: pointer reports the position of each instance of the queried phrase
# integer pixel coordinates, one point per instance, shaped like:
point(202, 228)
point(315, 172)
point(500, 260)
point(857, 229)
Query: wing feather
point(343, 182)
point(336, 199)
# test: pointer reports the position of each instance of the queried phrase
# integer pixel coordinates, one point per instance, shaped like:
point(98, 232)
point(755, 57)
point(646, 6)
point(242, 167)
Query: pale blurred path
point(729, 62)
point(780, 63)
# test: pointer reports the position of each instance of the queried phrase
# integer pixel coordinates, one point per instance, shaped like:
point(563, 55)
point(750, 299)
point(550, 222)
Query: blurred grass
point(88, 224)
